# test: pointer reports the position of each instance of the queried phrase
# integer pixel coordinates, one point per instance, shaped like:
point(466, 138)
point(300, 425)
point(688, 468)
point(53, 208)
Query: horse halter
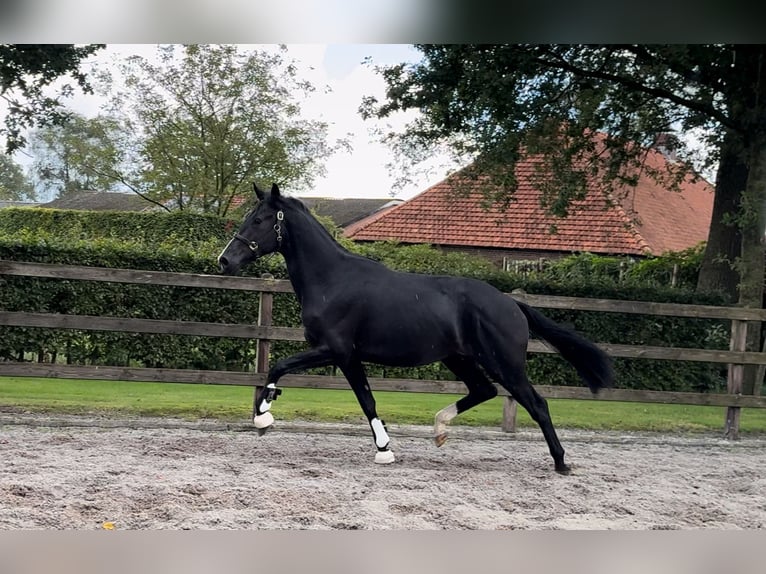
point(253, 246)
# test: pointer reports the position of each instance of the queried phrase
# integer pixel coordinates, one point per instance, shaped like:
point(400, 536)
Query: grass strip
point(234, 403)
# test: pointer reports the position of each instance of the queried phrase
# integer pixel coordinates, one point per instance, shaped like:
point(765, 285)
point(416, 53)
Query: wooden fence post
point(510, 407)
point(735, 377)
point(265, 308)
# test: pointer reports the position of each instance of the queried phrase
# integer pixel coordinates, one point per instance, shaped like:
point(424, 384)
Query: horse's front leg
point(262, 418)
point(357, 378)
point(316, 357)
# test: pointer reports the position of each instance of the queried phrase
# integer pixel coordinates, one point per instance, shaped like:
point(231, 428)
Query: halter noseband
point(253, 246)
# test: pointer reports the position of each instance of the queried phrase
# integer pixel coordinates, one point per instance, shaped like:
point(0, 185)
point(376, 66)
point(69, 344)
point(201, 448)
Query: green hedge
point(151, 228)
point(190, 243)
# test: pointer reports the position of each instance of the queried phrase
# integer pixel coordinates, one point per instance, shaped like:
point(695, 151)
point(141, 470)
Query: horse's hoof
point(263, 422)
point(384, 457)
point(563, 469)
point(440, 439)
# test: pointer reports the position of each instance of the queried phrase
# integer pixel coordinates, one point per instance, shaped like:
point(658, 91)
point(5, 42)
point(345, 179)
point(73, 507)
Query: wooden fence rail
point(736, 357)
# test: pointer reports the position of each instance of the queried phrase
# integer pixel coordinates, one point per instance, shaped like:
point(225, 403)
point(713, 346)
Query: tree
point(14, 185)
point(492, 101)
point(211, 120)
point(84, 154)
point(26, 70)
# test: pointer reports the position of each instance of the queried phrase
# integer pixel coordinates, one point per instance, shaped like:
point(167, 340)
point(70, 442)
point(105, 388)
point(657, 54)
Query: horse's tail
point(592, 364)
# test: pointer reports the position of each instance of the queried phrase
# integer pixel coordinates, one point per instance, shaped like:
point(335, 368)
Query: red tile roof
point(647, 219)
point(238, 200)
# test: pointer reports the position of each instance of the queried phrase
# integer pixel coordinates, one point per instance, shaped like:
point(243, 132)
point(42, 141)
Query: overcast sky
point(359, 173)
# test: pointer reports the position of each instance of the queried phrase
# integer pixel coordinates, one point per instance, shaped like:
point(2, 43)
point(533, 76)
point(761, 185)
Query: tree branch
point(560, 63)
point(121, 179)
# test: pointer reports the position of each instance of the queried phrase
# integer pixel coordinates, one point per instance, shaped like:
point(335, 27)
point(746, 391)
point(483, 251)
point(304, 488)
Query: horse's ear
point(258, 192)
point(274, 190)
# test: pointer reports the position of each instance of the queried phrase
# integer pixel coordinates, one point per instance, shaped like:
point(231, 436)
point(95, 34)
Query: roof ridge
point(360, 225)
point(640, 239)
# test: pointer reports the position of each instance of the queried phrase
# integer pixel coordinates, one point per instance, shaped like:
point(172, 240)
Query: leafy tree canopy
point(205, 121)
point(491, 103)
point(26, 70)
point(14, 185)
point(83, 154)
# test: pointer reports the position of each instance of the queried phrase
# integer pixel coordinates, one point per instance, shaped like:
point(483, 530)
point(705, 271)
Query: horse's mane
point(297, 202)
point(303, 208)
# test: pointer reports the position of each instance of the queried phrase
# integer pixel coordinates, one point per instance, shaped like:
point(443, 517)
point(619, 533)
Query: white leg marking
point(266, 405)
point(265, 419)
point(381, 436)
point(443, 417)
point(384, 456)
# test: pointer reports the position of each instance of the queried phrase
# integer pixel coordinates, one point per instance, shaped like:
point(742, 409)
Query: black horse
point(356, 310)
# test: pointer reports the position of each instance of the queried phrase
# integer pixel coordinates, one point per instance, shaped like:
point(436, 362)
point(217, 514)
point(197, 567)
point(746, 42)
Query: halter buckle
point(278, 227)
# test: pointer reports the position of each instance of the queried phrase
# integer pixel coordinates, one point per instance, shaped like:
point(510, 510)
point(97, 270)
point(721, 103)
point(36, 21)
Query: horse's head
point(259, 234)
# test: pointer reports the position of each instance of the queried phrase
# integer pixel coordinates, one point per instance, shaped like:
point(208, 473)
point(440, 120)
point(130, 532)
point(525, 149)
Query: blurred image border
point(370, 21)
point(372, 552)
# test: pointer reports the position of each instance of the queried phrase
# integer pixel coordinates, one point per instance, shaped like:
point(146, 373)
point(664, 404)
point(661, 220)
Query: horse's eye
point(257, 220)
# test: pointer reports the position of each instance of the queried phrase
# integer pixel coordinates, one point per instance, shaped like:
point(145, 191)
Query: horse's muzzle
point(225, 267)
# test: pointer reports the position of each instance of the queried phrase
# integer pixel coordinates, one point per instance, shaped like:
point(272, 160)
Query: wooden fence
point(736, 357)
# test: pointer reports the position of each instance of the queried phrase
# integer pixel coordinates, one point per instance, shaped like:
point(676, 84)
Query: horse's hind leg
point(521, 389)
point(526, 395)
point(514, 378)
point(480, 389)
